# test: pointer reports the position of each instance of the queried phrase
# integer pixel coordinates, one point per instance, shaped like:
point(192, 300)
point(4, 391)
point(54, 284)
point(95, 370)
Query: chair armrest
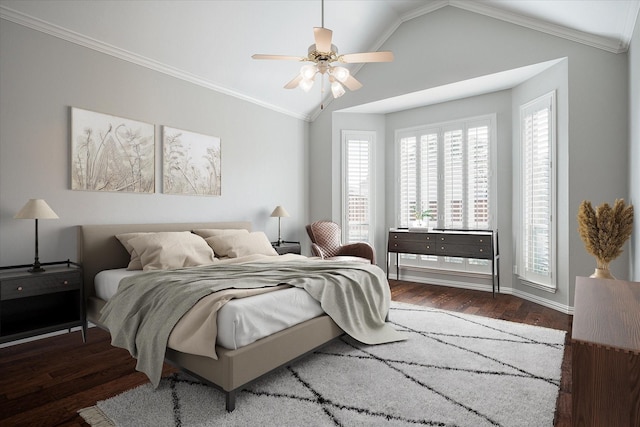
point(317, 251)
point(361, 249)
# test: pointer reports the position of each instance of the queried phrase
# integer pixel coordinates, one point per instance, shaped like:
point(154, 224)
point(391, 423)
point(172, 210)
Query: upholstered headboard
point(99, 249)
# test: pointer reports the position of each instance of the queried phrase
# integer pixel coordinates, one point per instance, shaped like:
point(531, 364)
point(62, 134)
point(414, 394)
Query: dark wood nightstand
point(38, 303)
point(287, 248)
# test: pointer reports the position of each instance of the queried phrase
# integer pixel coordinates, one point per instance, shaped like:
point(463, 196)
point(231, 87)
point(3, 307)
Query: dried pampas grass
point(605, 229)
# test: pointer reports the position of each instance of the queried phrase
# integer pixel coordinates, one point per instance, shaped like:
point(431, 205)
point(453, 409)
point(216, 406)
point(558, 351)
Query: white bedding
point(240, 321)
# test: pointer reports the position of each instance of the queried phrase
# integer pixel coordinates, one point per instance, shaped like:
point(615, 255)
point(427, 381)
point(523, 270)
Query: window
point(536, 240)
point(357, 191)
point(445, 177)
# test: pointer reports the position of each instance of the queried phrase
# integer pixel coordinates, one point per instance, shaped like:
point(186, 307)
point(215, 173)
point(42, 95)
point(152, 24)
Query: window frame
point(545, 282)
point(370, 138)
point(462, 266)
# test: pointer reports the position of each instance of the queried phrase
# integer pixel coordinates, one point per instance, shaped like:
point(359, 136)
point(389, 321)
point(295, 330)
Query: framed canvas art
point(110, 153)
point(191, 163)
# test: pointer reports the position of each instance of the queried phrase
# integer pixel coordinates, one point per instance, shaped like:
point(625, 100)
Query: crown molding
point(549, 28)
point(108, 49)
point(476, 7)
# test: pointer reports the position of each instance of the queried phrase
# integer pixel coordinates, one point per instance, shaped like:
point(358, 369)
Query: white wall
point(451, 45)
point(634, 144)
point(264, 153)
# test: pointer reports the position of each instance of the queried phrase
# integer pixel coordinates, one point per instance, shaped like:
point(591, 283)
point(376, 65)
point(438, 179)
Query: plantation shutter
point(357, 160)
point(429, 176)
point(408, 180)
point(444, 169)
point(454, 178)
point(537, 191)
point(477, 204)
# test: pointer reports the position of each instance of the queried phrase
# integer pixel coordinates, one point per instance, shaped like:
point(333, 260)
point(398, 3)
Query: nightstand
point(38, 303)
point(287, 248)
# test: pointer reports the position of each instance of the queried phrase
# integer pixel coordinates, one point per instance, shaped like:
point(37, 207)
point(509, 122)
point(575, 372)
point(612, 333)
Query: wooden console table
point(605, 387)
point(451, 243)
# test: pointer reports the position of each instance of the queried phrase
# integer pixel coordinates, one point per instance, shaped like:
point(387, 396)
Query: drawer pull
point(480, 250)
point(19, 288)
point(442, 238)
point(442, 248)
point(395, 236)
point(428, 246)
point(66, 282)
point(481, 240)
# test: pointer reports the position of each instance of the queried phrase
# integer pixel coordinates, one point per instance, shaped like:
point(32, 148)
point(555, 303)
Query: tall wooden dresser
point(605, 387)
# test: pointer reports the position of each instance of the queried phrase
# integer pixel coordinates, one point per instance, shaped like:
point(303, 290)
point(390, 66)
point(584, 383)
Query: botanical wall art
point(191, 163)
point(110, 153)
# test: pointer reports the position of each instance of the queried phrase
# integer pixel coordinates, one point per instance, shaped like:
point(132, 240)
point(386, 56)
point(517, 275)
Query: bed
point(100, 250)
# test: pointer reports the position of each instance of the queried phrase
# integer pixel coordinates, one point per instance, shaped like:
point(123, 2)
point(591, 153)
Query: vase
point(602, 271)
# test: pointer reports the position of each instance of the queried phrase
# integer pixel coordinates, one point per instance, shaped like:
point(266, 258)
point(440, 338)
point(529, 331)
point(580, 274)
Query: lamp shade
point(279, 211)
point(36, 209)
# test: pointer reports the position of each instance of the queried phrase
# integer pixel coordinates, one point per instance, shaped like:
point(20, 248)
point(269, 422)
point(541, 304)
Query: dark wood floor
point(45, 382)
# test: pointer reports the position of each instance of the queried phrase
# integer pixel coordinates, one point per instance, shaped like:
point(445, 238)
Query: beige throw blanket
point(143, 312)
point(197, 330)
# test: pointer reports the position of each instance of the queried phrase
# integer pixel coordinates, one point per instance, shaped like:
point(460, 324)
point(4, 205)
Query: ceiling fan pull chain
point(321, 91)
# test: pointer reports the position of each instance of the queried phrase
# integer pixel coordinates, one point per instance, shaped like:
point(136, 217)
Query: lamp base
point(36, 267)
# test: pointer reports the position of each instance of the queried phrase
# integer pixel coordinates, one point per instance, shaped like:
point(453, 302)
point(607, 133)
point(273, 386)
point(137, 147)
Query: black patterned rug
point(454, 370)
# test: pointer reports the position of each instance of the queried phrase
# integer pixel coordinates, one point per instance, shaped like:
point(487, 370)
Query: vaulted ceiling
point(210, 43)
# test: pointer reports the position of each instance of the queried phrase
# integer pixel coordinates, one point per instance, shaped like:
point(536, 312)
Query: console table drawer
point(465, 251)
point(411, 237)
point(461, 239)
point(25, 287)
point(412, 247)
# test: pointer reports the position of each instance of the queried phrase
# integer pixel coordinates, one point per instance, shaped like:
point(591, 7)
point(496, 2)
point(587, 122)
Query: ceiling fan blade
point(294, 83)
point(351, 83)
point(323, 39)
point(278, 57)
point(352, 58)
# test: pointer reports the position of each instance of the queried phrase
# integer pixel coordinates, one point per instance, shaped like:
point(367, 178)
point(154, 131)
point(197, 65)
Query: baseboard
point(563, 308)
point(486, 288)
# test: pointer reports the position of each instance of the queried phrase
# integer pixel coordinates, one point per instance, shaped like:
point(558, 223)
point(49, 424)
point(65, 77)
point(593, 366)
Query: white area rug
point(454, 370)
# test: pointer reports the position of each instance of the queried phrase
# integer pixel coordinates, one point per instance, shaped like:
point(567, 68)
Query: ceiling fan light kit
point(322, 54)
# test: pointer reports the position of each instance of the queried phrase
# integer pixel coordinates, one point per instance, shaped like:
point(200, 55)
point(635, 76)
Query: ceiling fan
point(322, 54)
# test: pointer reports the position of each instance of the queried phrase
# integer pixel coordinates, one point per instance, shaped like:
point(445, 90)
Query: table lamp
point(36, 209)
point(279, 212)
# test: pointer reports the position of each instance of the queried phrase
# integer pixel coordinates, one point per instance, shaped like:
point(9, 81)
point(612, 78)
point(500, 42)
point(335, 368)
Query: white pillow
point(172, 249)
point(208, 232)
point(241, 244)
point(134, 263)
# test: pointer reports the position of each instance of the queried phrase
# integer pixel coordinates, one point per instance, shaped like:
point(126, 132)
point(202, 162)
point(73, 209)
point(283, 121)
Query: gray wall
point(264, 153)
point(634, 156)
point(451, 45)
